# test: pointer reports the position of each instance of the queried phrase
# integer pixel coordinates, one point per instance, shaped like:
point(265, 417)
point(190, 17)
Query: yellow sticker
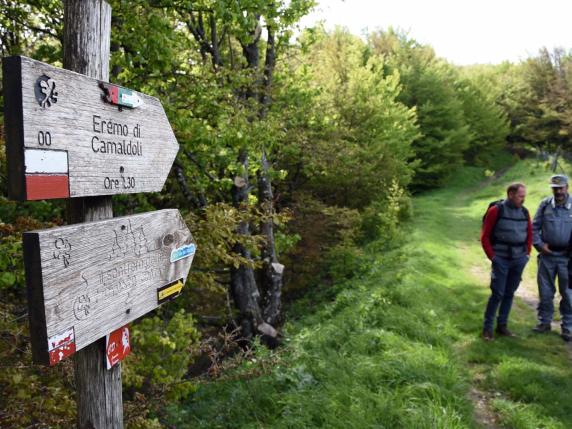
point(170, 291)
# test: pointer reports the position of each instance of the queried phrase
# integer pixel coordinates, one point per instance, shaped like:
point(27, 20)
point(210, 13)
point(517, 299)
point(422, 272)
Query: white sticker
point(183, 252)
point(66, 337)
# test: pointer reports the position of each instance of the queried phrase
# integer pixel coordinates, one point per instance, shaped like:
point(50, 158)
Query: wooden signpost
point(87, 280)
point(70, 135)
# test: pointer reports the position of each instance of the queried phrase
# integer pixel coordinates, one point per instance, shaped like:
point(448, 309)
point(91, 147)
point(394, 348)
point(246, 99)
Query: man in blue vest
point(507, 239)
point(552, 229)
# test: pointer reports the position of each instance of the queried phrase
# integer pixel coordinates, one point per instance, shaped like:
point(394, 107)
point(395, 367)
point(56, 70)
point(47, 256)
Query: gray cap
point(558, 181)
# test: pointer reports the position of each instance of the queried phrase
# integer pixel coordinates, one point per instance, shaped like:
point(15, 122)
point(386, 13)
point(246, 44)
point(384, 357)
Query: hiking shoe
point(542, 328)
point(502, 330)
point(487, 334)
point(566, 335)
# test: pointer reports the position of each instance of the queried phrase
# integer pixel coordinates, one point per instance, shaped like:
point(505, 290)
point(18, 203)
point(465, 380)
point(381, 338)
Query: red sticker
point(114, 94)
point(61, 346)
point(117, 346)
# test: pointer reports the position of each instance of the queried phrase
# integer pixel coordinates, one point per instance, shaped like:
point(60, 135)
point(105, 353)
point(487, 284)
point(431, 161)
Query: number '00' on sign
point(44, 138)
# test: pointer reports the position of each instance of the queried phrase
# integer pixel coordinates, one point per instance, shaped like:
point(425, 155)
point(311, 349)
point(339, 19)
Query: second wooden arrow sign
point(87, 280)
point(68, 135)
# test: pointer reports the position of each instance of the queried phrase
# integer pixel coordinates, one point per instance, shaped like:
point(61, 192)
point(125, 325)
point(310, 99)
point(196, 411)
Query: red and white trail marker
point(47, 174)
point(61, 346)
point(117, 346)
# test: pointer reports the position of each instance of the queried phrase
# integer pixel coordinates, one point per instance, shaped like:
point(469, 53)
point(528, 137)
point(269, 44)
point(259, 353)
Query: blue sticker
point(183, 252)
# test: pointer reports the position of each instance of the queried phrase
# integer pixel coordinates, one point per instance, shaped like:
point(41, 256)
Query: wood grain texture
point(110, 151)
point(87, 31)
point(99, 276)
point(99, 391)
point(87, 37)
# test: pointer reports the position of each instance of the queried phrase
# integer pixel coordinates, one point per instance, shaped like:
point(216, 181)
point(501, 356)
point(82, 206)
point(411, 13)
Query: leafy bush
point(163, 350)
point(380, 221)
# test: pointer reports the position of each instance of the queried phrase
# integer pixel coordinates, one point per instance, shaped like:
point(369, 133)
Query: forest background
point(296, 152)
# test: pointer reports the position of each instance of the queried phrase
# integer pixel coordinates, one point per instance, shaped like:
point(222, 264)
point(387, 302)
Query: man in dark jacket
point(506, 238)
point(552, 229)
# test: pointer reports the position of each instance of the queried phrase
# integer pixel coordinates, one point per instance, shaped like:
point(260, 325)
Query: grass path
point(516, 382)
point(398, 345)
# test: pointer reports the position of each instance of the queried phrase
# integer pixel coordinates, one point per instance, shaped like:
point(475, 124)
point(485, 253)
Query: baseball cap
point(558, 181)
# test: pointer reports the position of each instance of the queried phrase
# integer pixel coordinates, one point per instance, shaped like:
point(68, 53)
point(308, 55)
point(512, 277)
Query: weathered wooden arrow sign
point(87, 280)
point(68, 135)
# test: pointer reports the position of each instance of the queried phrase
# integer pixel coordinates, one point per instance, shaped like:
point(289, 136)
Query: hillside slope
point(399, 347)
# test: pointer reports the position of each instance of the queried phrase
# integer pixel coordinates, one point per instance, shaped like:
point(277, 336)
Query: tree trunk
point(269, 65)
point(87, 31)
point(251, 53)
point(242, 281)
point(272, 270)
point(555, 160)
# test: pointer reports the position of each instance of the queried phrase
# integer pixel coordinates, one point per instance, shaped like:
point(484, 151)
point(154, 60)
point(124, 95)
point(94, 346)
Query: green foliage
point(535, 95)
point(162, 353)
point(11, 266)
point(12, 279)
point(429, 86)
point(33, 28)
point(343, 260)
point(459, 120)
point(286, 242)
point(487, 122)
point(548, 101)
point(362, 134)
point(31, 395)
point(381, 221)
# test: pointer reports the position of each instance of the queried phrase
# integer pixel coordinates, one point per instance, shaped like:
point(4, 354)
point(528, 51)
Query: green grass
point(399, 347)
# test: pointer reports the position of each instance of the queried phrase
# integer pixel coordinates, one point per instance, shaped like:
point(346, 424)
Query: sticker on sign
point(61, 345)
point(117, 346)
point(183, 252)
point(170, 291)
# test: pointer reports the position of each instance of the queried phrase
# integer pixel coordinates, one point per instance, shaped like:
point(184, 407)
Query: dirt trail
point(484, 415)
point(528, 293)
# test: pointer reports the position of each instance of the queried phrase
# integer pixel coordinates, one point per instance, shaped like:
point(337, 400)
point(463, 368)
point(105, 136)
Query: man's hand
point(545, 250)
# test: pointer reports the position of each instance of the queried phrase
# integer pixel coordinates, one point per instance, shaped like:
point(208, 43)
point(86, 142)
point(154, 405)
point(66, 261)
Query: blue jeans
point(550, 268)
point(505, 278)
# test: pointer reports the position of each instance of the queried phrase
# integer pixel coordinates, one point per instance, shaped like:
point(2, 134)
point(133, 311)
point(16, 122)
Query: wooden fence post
point(87, 35)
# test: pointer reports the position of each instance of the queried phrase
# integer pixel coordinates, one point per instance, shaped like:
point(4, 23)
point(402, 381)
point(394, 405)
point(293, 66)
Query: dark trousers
point(505, 278)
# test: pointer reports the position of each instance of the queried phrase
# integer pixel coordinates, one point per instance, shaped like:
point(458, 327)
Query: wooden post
point(87, 35)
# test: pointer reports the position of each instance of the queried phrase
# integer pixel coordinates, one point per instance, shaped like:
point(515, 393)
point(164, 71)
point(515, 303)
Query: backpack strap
point(499, 205)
